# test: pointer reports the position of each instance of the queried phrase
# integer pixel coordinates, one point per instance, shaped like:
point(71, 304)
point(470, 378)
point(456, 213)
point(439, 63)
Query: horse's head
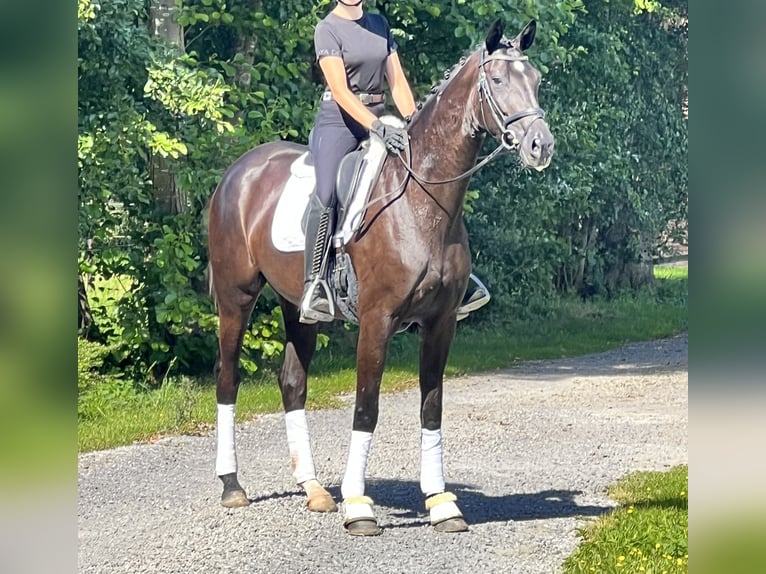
point(508, 107)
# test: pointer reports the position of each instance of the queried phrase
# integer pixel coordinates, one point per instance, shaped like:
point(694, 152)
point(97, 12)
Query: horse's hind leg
point(234, 309)
point(300, 344)
point(435, 343)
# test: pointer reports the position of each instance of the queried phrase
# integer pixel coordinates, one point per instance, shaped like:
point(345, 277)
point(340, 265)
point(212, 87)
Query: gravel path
point(529, 451)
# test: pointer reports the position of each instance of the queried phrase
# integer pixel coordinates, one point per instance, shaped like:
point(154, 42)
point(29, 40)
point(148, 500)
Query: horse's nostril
point(535, 148)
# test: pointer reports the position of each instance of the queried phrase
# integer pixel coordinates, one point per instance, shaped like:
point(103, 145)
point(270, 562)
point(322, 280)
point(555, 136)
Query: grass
point(678, 272)
point(648, 532)
point(565, 328)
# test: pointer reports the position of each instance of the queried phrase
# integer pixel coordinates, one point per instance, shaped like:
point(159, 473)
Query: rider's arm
point(400, 88)
point(335, 74)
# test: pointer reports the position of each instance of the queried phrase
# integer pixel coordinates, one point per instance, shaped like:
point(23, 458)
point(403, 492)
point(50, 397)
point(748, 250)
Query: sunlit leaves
point(86, 10)
point(190, 92)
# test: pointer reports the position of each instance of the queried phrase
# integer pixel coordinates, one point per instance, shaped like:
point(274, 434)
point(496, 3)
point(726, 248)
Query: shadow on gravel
point(636, 359)
point(277, 496)
point(404, 502)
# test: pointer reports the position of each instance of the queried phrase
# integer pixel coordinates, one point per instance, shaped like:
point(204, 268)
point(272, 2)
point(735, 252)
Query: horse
point(411, 259)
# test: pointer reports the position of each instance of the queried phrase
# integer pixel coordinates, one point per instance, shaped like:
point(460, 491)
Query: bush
point(96, 389)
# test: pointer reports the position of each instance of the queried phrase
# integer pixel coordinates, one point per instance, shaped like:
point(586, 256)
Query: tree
point(163, 24)
point(592, 221)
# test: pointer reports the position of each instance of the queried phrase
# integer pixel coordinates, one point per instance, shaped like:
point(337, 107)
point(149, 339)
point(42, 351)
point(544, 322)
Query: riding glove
point(395, 138)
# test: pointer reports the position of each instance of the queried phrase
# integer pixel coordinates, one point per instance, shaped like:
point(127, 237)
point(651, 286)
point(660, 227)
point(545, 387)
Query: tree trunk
point(247, 45)
point(85, 325)
point(589, 232)
point(623, 270)
point(163, 24)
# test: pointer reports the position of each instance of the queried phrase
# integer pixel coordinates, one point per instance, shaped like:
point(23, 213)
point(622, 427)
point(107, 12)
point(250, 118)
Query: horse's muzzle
point(536, 148)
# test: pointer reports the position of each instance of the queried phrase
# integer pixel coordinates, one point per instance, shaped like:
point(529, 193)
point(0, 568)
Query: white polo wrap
point(431, 465)
point(226, 455)
point(358, 453)
point(301, 460)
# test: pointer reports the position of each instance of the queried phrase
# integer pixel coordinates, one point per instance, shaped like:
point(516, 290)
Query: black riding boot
point(316, 303)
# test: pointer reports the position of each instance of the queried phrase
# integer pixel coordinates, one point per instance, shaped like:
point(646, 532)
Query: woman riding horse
point(412, 264)
point(355, 50)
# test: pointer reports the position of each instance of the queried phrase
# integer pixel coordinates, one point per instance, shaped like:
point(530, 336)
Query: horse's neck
point(444, 141)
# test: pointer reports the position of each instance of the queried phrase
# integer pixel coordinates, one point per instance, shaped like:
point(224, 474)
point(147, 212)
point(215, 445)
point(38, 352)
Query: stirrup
point(309, 315)
point(477, 300)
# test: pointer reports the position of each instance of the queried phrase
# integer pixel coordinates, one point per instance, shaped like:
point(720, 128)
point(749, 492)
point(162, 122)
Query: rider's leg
point(330, 141)
point(315, 305)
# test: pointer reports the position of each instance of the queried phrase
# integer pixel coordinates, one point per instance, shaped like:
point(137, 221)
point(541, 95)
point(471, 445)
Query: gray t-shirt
point(363, 44)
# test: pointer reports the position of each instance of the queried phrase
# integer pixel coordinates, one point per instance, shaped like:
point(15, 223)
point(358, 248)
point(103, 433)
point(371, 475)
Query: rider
point(355, 50)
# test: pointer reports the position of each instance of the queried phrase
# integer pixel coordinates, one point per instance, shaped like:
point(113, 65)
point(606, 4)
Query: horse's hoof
point(451, 525)
point(317, 498)
point(322, 503)
point(234, 499)
point(233, 494)
point(444, 513)
point(363, 527)
point(359, 516)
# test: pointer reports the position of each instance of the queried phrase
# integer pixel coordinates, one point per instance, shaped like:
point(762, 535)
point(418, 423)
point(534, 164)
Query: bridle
point(507, 140)
point(502, 121)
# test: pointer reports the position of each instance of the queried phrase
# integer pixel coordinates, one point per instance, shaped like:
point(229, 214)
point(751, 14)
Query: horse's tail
point(211, 285)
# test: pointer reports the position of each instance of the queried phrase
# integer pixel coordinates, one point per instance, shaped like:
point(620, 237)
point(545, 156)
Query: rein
point(407, 165)
point(422, 181)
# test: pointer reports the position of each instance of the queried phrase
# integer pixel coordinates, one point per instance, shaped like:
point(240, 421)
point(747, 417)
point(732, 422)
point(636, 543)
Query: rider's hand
point(394, 138)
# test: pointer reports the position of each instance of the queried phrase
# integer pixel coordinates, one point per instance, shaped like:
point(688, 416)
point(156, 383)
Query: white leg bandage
point(226, 457)
point(298, 442)
point(431, 465)
point(358, 452)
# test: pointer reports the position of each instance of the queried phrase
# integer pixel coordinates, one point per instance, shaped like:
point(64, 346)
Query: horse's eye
point(497, 80)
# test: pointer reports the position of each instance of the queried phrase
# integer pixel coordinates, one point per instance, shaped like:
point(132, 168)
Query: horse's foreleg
point(359, 518)
point(434, 349)
point(233, 316)
point(299, 349)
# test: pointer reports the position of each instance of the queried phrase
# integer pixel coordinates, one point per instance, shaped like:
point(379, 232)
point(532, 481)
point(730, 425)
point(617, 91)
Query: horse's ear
point(494, 36)
point(526, 37)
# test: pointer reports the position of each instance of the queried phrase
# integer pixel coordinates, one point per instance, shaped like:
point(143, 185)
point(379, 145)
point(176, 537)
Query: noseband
point(502, 121)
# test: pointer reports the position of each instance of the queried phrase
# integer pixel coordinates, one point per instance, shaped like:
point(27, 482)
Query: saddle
point(357, 174)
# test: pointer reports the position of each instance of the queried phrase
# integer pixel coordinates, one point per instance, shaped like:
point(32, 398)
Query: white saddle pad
point(286, 232)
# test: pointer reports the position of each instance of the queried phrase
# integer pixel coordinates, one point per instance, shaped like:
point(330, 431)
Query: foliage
point(96, 389)
point(139, 99)
point(649, 532)
point(591, 222)
point(154, 116)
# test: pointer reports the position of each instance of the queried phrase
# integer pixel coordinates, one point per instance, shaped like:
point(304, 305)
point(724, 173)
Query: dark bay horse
point(411, 259)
